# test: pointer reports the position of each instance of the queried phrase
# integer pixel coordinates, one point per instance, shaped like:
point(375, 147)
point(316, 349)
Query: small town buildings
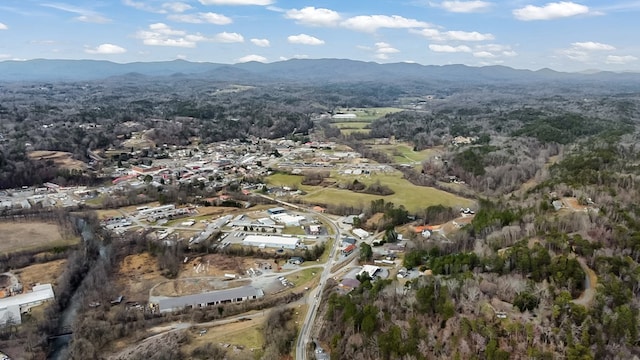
point(276, 210)
point(280, 242)
point(370, 270)
point(360, 233)
point(211, 298)
point(346, 241)
point(296, 260)
point(348, 250)
point(12, 307)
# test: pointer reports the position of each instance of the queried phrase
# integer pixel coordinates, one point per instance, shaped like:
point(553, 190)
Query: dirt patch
point(215, 210)
point(60, 158)
point(237, 337)
point(572, 204)
point(374, 220)
point(30, 235)
point(138, 274)
point(183, 287)
point(219, 265)
point(45, 273)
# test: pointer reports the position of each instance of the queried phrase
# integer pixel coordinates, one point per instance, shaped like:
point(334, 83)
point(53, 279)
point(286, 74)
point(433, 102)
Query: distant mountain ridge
point(326, 70)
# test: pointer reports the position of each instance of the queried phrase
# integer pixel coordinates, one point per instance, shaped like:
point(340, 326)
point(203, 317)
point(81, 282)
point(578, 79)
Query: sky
point(524, 34)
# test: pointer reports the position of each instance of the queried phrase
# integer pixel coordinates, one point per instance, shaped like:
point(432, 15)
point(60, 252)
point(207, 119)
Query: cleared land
point(242, 337)
point(45, 273)
point(61, 159)
point(31, 235)
point(411, 196)
point(403, 153)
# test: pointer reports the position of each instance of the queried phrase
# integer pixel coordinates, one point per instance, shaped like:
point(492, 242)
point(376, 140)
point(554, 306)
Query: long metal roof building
point(210, 298)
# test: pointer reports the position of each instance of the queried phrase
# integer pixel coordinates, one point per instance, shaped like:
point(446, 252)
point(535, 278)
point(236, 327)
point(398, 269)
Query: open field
point(181, 287)
point(304, 277)
point(138, 274)
point(61, 159)
point(44, 273)
point(403, 153)
point(31, 235)
point(241, 334)
point(413, 197)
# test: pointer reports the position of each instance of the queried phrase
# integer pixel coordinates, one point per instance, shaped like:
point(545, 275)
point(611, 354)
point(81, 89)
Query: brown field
point(44, 273)
point(61, 159)
point(241, 334)
point(181, 287)
point(139, 273)
point(31, 235)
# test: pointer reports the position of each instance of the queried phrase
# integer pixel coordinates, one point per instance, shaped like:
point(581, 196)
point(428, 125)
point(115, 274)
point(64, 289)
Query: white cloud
point(160, 34)
point(177, 7)
point(181, 57)
point(199, 18)
point(371, 23)
point(582, 51)
point(550, 11)
point(143, 6)
point(467, 36)
point(85, 15)
point(384, 48)
point(463, 6)
point(313, 16)
point(225, 37)
point(449, 48)
point(3, 26)
point(484, 54)
point(261, 42)
point(106, 49)
point(305, 39)
point(454, 35)
point(236, 2)
point(5, 56)
point(93, 18)
point(284, 58)
point(592, 46)
point(249, 58)
point(620, 60)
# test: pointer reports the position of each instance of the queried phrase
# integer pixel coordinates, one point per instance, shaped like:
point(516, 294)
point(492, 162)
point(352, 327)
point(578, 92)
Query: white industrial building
point(288, 220)
point(370, 270)
point(280, 242)
point(360, 233)
point(12, 307)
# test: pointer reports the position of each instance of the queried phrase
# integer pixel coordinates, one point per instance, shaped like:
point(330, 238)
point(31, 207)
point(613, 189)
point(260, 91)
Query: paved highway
point(314, 296)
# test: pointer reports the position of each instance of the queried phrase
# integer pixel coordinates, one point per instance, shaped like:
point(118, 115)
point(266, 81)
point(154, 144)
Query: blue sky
point(528, 34)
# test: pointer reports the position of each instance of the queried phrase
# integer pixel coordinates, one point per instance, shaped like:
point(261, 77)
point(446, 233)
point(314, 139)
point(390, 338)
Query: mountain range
point(324, 70)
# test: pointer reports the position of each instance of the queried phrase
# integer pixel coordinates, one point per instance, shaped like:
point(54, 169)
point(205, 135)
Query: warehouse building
point(12, 307)
point(280, 242)
point(211, 298)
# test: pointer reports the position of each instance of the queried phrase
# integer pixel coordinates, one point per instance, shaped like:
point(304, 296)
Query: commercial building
point(12, 307)
point(280, 242)
point(360, 233)
point(288, 220)
point(276, 210)
point(210, 298)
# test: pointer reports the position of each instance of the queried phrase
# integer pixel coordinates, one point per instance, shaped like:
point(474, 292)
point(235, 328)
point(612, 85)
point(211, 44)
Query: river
point(59, 346)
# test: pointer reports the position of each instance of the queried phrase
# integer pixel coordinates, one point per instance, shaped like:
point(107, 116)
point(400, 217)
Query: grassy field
point(242, 333)
point(413, 197)
point(403, 153)
point(304, 276)
point(293, 230)
point(351, 125)
point(32, 235)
